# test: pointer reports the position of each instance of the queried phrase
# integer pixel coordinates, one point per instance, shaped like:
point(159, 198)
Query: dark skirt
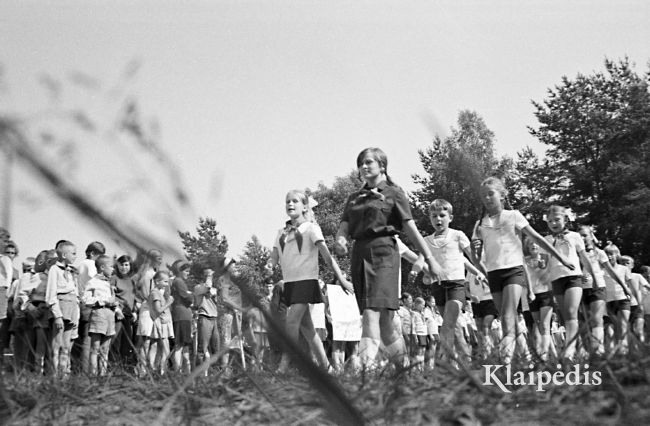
point(305, 291)
point(375, 273)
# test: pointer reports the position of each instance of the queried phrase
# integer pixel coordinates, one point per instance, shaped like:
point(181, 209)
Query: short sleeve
point(401, 247)
point(463, 241)
point(580, 245)
point(316, 234)
point(601, 256)
point(402, 205)
point(520, 220)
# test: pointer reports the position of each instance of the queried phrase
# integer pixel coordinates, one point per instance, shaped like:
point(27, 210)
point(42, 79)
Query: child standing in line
point(125, 288)
point(296, 248)
point(62, 298)
point(182, 316)
point(537, 270)
point(433, 322)
point(498, 235)
point(207, 324)
point(87, 270)
point(419, 332)
point(144, 284)
point(448, 247)
point(405, 316)
point(163, 329)
point(100, 298)
point(30, 301)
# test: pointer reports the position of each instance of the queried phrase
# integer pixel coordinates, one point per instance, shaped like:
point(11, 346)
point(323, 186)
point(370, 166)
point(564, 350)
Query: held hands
point(347, 286)
point(58, 323)
point(434, 269)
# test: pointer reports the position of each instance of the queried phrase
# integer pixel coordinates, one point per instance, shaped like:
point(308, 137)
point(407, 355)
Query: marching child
point(636, 299)
point(537, 270)
point(205, 295)
point(593, 288)
point(62, 298)
point(100, 298)
point(296, 249)
point(567, 282)
point(618, 298)
point(497, 234)
point(448, 247)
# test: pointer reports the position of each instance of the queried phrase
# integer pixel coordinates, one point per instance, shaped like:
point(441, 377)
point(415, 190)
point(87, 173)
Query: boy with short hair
point(62, 298)
point(449, 248)
point(100, 298)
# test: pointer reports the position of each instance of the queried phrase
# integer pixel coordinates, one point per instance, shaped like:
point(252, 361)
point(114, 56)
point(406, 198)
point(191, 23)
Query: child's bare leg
point(153, 351)
point(507, 302)
point(104, 348)
point(448, 329)
point(569, 303)
point(597, 311)
point(313, 339)
point(163, 346)
point(544, 326)
point(624, 322)
point(94, 352)
point(396, 349)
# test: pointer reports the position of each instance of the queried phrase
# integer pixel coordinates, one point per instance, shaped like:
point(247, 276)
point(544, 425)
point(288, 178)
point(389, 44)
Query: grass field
point(388, 397)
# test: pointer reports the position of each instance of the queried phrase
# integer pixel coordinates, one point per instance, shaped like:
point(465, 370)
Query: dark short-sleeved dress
point(374, 217)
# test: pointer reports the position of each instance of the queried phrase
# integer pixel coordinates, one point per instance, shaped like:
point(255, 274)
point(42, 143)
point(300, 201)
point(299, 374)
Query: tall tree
point(454, 169)
point(252, 265)
point(331, 202)
point(597, 128)
point(204, 249)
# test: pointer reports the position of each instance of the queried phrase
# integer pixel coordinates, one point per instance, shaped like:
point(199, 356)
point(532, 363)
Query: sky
point(253, 98)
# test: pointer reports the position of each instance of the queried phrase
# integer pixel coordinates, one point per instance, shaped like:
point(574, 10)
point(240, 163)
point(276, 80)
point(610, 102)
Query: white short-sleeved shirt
point(300, 263)
point(568, 244)
point(538, 271)
point(501, 241)
point(645, 293)
point(596, 258)
point(614, 291)
point(478, 288)
point(638, 280)
point(447, 249)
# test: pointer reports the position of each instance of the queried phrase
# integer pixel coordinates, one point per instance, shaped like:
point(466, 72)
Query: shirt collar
point(380, 186)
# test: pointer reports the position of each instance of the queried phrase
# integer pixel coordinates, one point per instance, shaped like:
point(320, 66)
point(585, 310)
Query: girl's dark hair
point(95, 247)
point(122, 259)
point(380, 157)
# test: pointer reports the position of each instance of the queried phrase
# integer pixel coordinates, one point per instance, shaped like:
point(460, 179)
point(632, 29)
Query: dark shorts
point(563, 284)
point(528, 319)
point(449, 290)
point(591, 295)
point(183, 333)
point(618, 305)
point(635, 313)
point(542, 300)
point(375, 267)
point(422, 341)
point(485, 308)
point(305, 291)
point(499, 279)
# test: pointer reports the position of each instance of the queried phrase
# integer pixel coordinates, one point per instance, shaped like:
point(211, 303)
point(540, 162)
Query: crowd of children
point(507, 292)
